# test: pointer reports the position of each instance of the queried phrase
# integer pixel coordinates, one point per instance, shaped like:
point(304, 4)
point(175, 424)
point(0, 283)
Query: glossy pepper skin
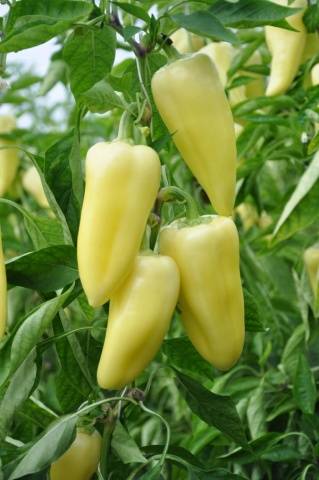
point(9, 158)
point(139, 317)
point(315, 75)
point(81, 460)
point(193, 105)
point(121, 187)
point(3, 292)
point(31, 182)
point(286, 48)
point(186, 42)
point(211, 297)
point(311, 259)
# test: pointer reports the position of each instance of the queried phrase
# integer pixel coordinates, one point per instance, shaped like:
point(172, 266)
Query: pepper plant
point(113, 206)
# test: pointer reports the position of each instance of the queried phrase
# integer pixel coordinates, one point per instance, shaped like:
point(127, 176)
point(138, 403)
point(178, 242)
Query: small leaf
point(306, 182)
point(216, 410)
point(253, 321)
point(125, 446)
point(101, 98)
point(134, 10)
point(204, 23)
point(304, 386)
point(50, 446)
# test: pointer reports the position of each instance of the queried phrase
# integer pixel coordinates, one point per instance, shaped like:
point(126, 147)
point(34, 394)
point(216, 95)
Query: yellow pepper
point(311, 259)
point(3, 293)
point(9, 159)
point(31, 182)
point(211, 297)
point(186, 42)
point(248, 215)
point(193, 105)
point(81, 459)
point(222, 54)
point(256, 87)
point(315, 75)
point(139, 317)
point(286, 48)
point(121, 187)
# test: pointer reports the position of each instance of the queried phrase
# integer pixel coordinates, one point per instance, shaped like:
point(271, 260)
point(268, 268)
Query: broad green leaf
point(256, 415)
point(216, 410)
point(252, 13)
point(33, 328)
point(50, 446)
point(89, 53)
point(206, 24)
point(32, 22)
point(45, 270)
point(134, 10)
point(253, 321)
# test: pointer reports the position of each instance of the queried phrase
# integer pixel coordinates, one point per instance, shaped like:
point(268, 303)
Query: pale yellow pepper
point(3, 292)
point(186, 42)
point(139, 317)
point(122, 182)
point(286, 48)
point(311, 259)
point(81, 459)
point(192, 103)
point(315, 75)
point(9, 159)
point(211, 297)
point(31, 182)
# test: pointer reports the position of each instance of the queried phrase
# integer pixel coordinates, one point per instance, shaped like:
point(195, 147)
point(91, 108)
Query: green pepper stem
point(124, 126)
point(106, 442)
point(168, 194)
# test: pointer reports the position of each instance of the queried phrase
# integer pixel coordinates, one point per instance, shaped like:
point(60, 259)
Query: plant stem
point(106, 442)
point(168, 194)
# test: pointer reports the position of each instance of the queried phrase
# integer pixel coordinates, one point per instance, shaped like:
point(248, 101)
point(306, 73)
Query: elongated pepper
point(211, 297)
point(186, 42)
point(192, 103)
point(286, 48)
point(139, 317)
point(9, 158)
point(311, 259)
point(121, 187)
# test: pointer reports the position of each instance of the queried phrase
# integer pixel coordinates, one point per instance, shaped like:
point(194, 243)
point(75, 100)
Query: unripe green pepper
point(121, 187)
point(3, 292)
point(9, 159)
point(286, 48)
point(81, 459)
point(139, 317)
point(193, 105)
point(186, 42)
point(211, 297)
point(311, 259)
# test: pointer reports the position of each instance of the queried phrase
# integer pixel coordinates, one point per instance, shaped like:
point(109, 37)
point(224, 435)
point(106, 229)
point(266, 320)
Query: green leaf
point(256, 415)
point(89, 53)
point(305, 184)
point(32, 22)
point(55, 73)
point(50, 446)
point(253, 321)
point(304, 386)
point(216, 410)
point(33, 327)
point(311, 18)
point(204, 23)
point(134, 10)
point(182, 355)
point(17, 392)
point(101, 98)
point(125, 446)
point(45, 270)
point(251, 13)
